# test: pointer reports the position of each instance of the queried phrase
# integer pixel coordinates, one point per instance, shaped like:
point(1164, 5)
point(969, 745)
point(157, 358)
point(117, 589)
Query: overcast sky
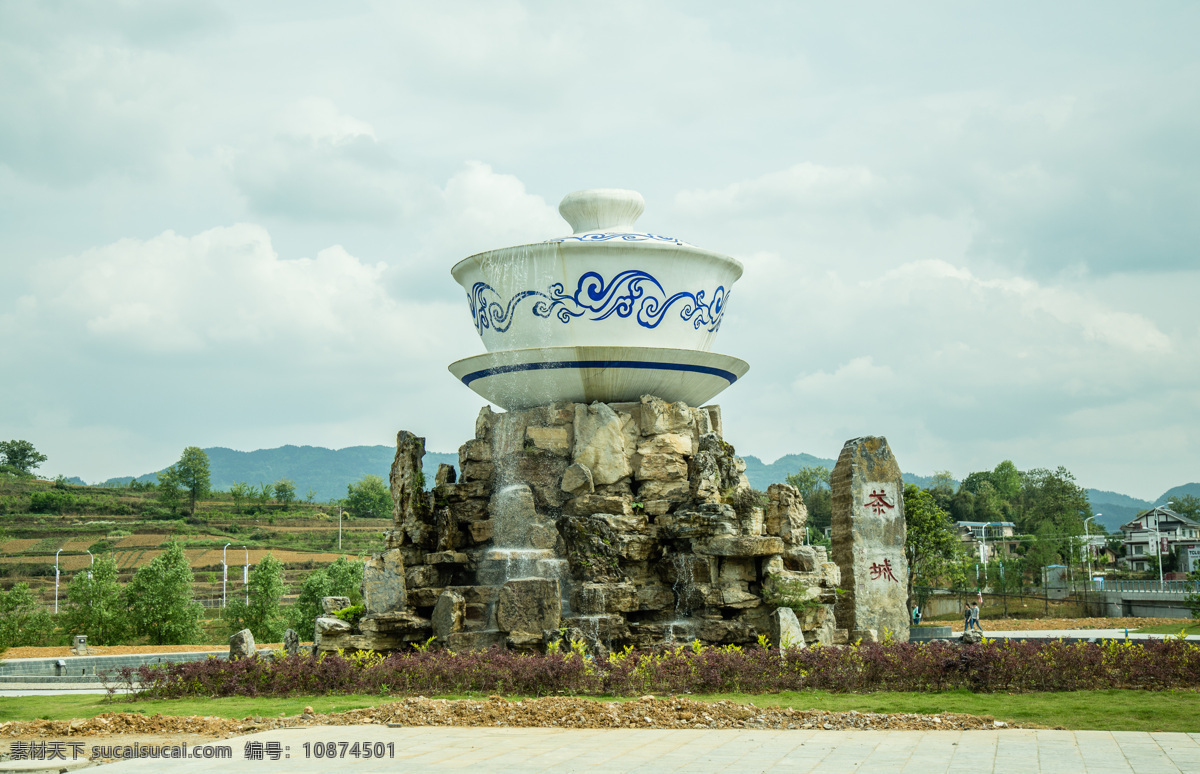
point(973, 228)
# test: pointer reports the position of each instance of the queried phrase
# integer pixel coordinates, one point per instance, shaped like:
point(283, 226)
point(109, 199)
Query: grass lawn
point(1114, 710)
point(1186, 625)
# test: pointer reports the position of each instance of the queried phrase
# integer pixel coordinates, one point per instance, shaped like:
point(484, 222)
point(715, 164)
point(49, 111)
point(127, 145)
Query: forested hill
point(1113, 509)
point(1192, 489)
point(325, 471)
point(328, 471)
point(761, 475)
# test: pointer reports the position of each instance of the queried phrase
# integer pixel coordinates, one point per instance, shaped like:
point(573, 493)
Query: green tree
point(1051, 497)
point(1042, 550)
point(240, 492)
point(169, 493)
point(96, 605)
point(22, 620)
point(343, 578)
point(1186, 505)
point(369, 498)
point(160, 599)
point(1006, 480)
point(192, 473)
point(285, 492)
point(20, 456)
point(1193, 600)
point(1004, 576)
point(942, 488)
point(813, 483)
point(931, 544)
point(263, 616)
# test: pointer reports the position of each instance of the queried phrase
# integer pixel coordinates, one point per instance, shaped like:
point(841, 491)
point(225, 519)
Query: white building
point(1156, 531)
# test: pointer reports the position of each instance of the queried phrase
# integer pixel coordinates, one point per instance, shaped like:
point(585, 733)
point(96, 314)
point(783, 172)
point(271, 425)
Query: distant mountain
point(1099, 496)
point(326, 471)
point(1113, 509)
point(1118, 509)
point(1192, 489)
point(761, 475)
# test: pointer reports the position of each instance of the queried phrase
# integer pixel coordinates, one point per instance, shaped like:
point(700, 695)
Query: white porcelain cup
point(605, 285)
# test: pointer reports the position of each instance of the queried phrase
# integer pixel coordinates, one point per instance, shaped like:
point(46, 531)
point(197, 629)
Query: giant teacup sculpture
point(606, 314)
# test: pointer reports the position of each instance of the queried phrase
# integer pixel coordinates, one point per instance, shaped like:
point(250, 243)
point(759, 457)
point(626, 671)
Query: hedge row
point(990, 666)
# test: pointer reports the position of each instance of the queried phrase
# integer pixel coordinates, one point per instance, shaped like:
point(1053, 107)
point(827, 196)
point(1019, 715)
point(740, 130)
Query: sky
point(969, 227)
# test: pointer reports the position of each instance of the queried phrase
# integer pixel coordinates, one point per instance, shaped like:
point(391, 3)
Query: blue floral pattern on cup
point(631, 293)
point(622, 236)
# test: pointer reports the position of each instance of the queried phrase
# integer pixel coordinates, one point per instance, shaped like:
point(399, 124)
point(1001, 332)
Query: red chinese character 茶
point(878, 503)
point(883, 570)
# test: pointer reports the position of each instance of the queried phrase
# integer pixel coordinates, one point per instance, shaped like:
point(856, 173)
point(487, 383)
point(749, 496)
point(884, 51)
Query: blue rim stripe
point(510, 369)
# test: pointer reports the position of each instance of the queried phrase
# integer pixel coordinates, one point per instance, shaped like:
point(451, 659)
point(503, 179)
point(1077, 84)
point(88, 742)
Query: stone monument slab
point(868, 538)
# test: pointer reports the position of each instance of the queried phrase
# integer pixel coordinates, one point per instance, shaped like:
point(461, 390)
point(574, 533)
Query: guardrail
point(1146, 586)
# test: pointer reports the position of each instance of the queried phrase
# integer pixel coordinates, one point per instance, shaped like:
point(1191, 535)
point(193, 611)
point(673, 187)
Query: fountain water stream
point(684, 586)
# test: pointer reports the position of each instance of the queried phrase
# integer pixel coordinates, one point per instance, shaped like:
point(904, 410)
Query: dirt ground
point(550, 712)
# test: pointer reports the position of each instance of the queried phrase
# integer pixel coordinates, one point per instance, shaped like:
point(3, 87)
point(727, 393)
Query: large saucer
point(519, 379)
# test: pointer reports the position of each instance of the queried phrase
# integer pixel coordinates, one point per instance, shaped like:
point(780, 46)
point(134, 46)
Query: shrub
point(369, 498)
point(22, 620)
point(985, 667)
point(350, 615)
point(343, 578)
point(51, 501)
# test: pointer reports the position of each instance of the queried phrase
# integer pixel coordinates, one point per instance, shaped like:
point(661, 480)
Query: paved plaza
point(540, 749)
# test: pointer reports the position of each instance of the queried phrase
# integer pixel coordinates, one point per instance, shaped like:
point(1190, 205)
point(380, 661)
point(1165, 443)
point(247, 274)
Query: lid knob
point(597, 209)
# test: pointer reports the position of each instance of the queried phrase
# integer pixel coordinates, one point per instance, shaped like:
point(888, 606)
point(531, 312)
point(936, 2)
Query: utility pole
point(56, 553)
point(1087, 546)
point(339, 528)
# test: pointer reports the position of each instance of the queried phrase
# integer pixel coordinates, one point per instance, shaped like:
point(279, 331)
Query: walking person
point(967, 617)
point(974, 617)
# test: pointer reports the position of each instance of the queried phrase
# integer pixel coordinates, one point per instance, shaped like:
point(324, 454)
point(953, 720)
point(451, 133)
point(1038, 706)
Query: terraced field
point(134, 528)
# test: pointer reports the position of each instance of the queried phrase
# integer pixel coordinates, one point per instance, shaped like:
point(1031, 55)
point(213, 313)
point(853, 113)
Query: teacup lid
point(602, 214)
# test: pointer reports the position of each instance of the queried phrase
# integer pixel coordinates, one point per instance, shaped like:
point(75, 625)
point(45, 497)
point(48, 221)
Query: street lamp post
point(224, 573)
point(246, 576)
point(93, 563)
point(56, 553)
point(1088, 533)
point(339, 528)
point(1158, 541)
point(1087, 547)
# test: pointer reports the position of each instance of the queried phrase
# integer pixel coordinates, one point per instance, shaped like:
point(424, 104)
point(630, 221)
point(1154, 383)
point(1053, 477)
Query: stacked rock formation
point(617, 524)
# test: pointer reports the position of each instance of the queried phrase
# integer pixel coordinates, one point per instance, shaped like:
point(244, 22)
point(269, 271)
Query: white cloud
point(226, 289)
point(994, 259)
point(803, 185)
point(1123, 330)
point(489, 210)
point(319, 119)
